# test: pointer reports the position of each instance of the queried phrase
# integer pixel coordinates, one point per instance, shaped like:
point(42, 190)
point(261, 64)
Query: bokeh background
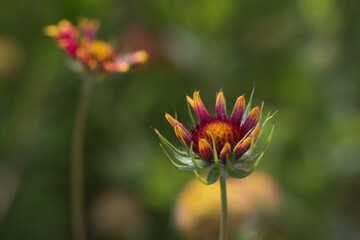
point(303, 56)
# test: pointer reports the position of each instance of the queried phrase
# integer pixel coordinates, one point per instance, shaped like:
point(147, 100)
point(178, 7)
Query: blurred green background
point(303, 56)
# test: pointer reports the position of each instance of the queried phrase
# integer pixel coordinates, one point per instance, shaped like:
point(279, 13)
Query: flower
point(96, 55)
point(218, 142)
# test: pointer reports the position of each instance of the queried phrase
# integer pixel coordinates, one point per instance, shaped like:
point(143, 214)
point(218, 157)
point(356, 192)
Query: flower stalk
point(77, 178)
point(223, 217)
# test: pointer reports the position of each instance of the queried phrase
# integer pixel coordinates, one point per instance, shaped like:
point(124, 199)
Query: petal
point(226, 151)
point(256, 132)
point(191, 101)
point(116, 67)
point(180, 131)
point(170, 119)
point(135, 58)
point(68, 46)
point(220, 106)
point(205, 150)
point(51, 31)
point(88, 27)
point(238, 111)
point(245, 145)
point(67, 30)
point(251, 120)
point(200, 109)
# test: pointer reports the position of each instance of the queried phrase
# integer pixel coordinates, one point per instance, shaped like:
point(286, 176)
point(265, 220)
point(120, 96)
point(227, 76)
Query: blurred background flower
point(197, 209)
point(80, 43)
point(303, 55)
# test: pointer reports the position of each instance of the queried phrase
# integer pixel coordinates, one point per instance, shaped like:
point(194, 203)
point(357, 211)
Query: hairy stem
point(77, 182)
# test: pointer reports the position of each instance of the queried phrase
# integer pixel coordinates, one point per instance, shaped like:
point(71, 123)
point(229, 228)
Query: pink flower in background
point(80, 42)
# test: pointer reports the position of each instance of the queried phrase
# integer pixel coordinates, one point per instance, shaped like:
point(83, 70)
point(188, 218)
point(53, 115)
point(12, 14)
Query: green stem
point(77, 185)
point(223, 219)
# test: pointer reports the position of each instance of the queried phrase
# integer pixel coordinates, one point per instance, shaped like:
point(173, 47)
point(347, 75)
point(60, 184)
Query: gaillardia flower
point(81, 44)
point(218, 143)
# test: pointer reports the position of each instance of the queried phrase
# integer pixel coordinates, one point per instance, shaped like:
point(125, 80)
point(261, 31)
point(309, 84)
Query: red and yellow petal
point(135, 58)
point(200, 109)
point(65, 34)
point(238, 110)
point(182, 134)
point(180, 131)
point(251, 120)
point(191, 101)
point(205, 150)
point(110, 66)
point(220, 106)
point(245, 145)
point(256, 132)
point(225, 151)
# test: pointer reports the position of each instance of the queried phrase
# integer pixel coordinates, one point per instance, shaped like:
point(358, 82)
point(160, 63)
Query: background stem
point(77, 189)
point(223, 219)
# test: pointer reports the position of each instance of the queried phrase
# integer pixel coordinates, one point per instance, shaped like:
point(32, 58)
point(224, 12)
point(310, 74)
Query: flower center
point(222, 130)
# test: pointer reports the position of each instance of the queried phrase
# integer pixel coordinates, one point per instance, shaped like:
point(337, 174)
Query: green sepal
point(248, 106)
point(164, 141)
point(216, 159)
point(268, 117)
point(181, 160)
point(179, 164)
point(193, 159)
point(266, 145)
point(234, 172)
point(247, 156)
point(261, 112)
point(239, 173)
point(212, 177)
point(251, 144)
